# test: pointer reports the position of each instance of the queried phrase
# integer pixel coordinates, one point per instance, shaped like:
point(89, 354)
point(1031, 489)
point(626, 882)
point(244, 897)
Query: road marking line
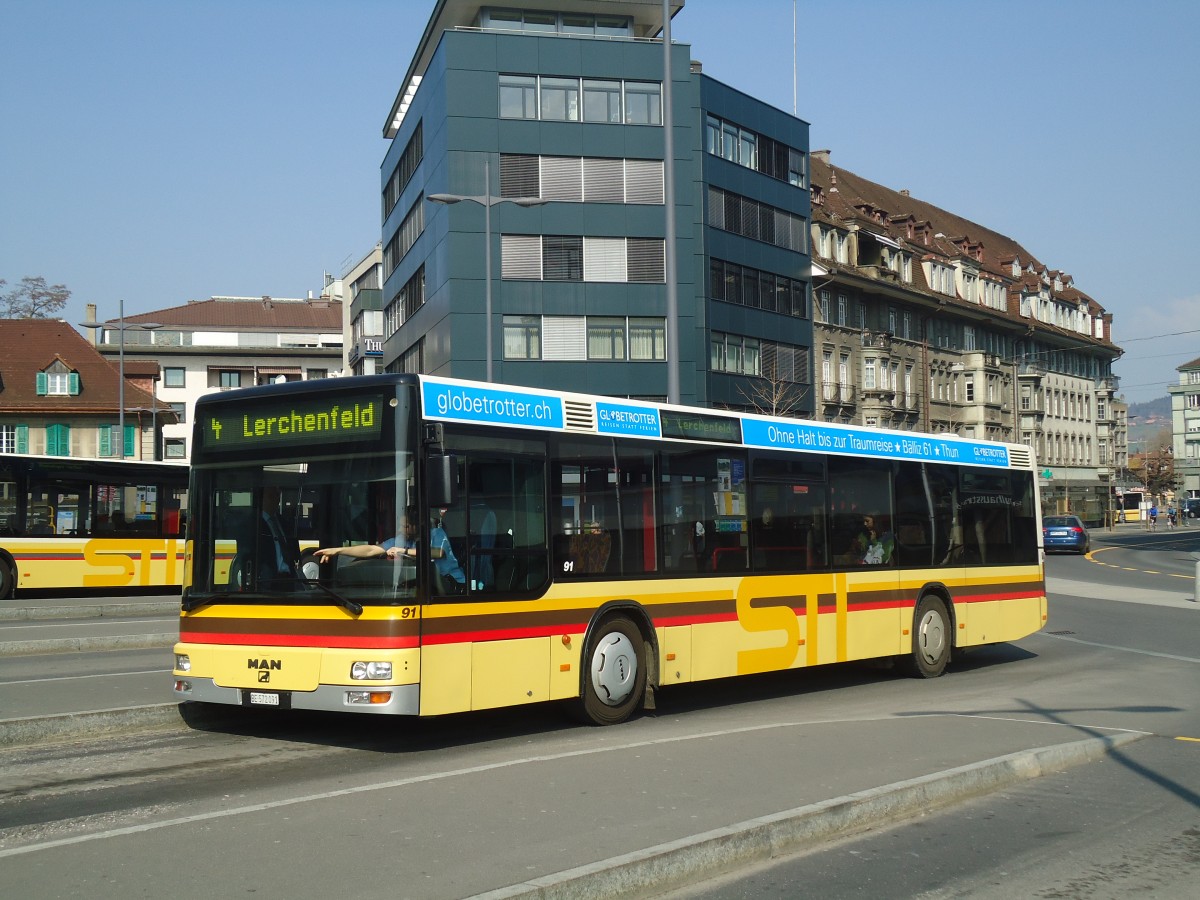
point(1060, 637)
point(1090, 557)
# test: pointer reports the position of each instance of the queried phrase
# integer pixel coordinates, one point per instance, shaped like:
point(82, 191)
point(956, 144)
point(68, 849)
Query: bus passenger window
point(788, 534)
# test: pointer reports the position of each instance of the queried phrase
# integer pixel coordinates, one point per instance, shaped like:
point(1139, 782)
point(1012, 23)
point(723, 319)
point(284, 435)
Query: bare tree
point(773, 395)
point(32, 299)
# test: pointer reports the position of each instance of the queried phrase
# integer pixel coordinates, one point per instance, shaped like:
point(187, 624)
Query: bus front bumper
point(401, 699)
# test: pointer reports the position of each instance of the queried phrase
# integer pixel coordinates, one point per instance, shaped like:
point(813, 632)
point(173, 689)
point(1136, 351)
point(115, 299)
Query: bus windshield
point(269, 505)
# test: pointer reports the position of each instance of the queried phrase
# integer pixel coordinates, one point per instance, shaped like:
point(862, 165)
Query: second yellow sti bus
point(569, 547)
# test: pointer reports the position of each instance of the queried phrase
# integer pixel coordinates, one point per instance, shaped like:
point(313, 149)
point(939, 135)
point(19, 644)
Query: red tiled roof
point(848, 198)
point(31, 345)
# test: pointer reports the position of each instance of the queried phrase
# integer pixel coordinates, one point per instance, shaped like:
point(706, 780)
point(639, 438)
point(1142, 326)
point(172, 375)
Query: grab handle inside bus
point(440, 484)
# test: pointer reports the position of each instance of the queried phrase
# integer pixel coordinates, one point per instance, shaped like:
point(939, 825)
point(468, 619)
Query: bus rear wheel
point(8, 578)
point(615, 678)
point(931, 639)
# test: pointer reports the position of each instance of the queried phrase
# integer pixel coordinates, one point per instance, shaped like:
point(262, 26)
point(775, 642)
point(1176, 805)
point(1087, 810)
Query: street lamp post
point(143, 326)
point(487, 201)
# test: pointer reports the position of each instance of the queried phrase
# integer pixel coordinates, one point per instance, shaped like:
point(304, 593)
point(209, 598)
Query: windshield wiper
point(344, 602)
point(187, 604)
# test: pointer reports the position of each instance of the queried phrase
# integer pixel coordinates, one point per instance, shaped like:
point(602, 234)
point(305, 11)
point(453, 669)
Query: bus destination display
point(294, 424)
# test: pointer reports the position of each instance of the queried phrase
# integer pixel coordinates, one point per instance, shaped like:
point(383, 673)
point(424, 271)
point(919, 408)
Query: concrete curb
point(89, 611)
point(686, 861)
point(48, 729)
point(160, 640)
point(101, 722)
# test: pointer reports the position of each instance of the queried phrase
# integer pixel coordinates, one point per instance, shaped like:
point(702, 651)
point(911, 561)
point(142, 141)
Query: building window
point(174, 448)
point(601, 101)
point(409, 160)
point(743, 286)
point(647, 339)
point(643, 103)
point(869, 374)
point(8, 439)
point(562, 258)
point(230, 379)
point(758, 221)
point(522, 337)
point(180, 410)
point(587, 179)
point(579, 338)
point(560, 99)
point(406, 235)
point(605, 337)
point(174, 377)
point(518, 97)
point(574, 258)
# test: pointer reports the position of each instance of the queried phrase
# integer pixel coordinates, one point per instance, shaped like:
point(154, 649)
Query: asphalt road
point(523, 803)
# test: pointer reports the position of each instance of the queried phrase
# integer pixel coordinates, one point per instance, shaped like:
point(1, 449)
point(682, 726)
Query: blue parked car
point(1065, 533)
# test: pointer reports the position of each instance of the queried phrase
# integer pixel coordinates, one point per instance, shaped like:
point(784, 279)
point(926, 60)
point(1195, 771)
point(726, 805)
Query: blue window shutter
point(106, 440)
point(42, 384)
point(22, 438)
point(73, 383)
point(129, 440)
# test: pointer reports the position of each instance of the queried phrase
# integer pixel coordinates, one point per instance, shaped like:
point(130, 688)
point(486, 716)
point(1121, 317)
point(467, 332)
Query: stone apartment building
point(926, 320)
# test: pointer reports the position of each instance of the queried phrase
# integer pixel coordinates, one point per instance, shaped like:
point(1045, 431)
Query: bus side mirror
point(440, 484)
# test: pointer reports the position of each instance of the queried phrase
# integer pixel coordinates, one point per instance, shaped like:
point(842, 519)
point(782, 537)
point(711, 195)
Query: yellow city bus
point(588, 549)
point(70, 524)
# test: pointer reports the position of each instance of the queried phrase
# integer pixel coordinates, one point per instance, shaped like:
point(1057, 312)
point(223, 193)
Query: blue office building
point(541, 128)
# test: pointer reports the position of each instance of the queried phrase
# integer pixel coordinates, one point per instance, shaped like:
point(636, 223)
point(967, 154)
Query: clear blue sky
point(165, 152)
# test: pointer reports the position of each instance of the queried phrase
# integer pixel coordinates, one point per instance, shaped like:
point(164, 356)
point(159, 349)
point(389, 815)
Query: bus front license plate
point(278, 699)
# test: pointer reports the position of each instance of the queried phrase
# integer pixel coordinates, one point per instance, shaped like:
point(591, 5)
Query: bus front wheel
point(615, 678)
point(931, 639)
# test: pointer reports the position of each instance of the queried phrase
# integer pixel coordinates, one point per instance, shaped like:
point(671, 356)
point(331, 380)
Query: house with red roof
point(60, 397)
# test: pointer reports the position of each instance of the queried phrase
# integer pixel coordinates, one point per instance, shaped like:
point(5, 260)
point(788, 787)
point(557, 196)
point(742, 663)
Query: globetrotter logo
point(491, 407)
point(445, 401)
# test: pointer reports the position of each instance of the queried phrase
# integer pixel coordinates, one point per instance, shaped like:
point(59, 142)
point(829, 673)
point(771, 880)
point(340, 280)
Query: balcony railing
point(833, 392)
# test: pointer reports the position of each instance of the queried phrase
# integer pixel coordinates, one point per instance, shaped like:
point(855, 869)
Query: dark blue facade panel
point(617, 378)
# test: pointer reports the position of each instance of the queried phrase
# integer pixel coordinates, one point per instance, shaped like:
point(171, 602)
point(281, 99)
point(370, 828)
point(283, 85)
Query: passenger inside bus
point(451, 579)
point(873, 545)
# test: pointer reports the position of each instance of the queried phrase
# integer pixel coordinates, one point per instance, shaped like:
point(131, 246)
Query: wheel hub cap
point(614, 669)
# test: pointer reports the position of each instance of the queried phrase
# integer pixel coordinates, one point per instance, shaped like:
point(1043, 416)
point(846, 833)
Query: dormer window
point(57, 380)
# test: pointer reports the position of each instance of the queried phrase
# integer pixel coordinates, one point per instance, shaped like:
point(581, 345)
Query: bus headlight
point(183, 662)
point(371, 671)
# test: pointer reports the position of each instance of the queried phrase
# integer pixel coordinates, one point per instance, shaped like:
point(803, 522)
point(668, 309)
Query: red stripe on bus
point(296, 640)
